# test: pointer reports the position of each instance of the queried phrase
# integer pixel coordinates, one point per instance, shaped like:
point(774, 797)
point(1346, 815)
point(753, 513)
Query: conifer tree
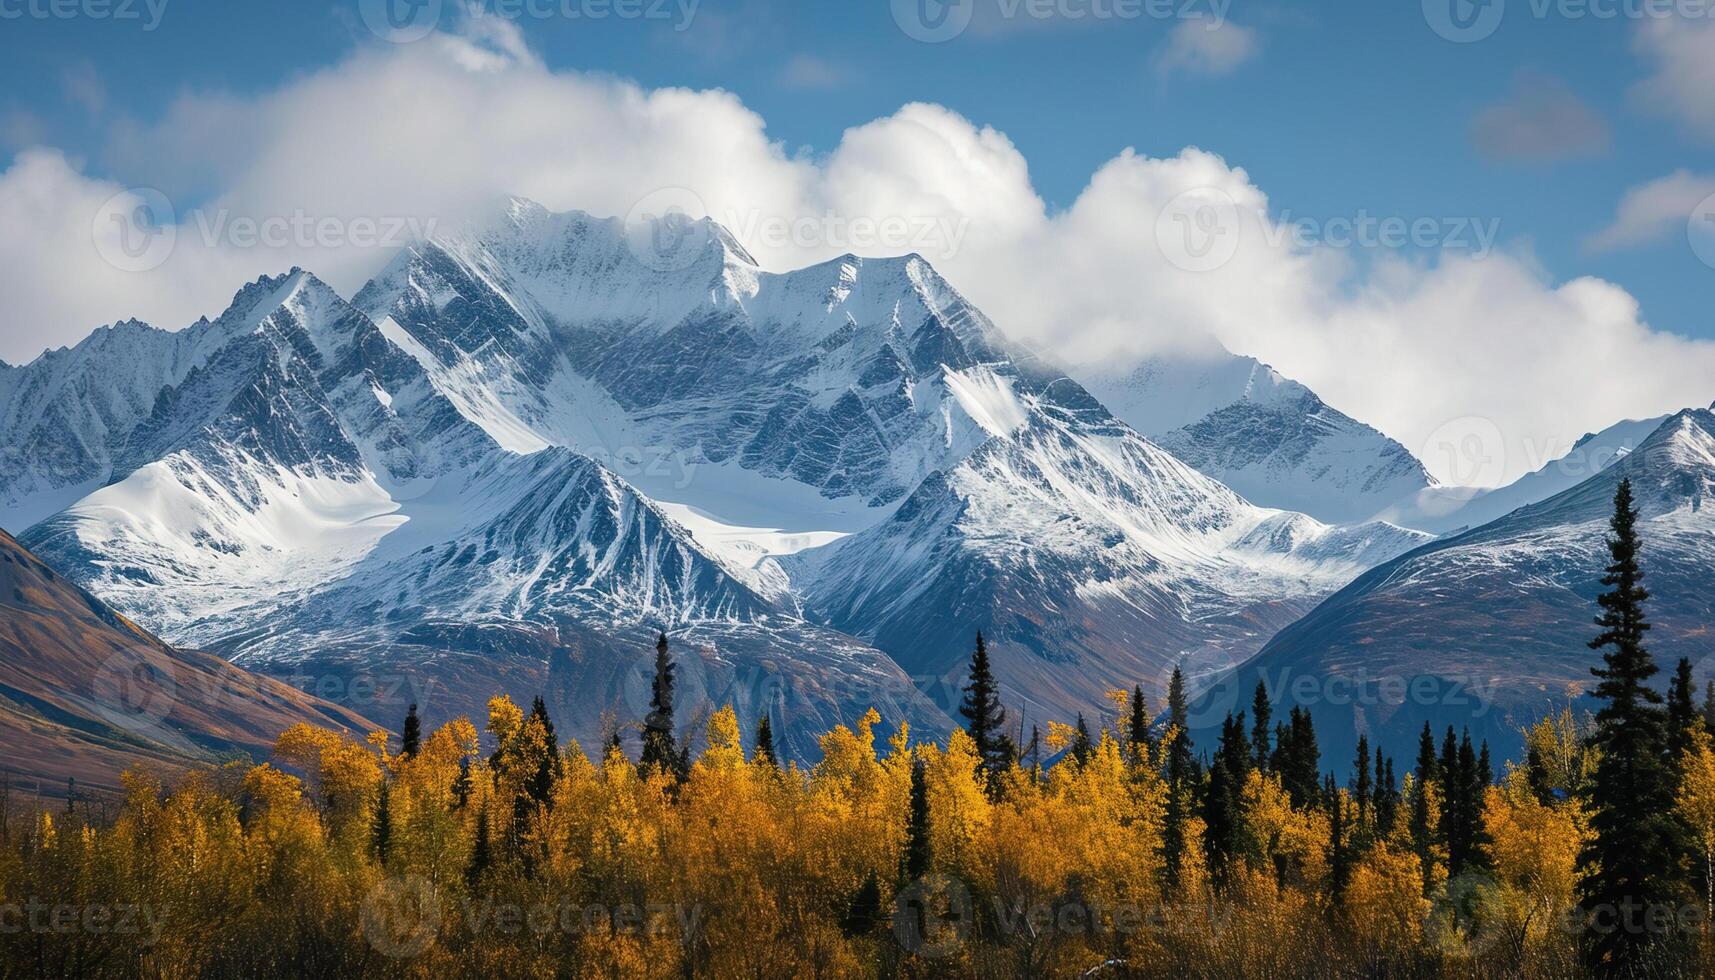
point(659, 749)
point(1179, 788)
point(1637, 840)
point(412, 736)
point(539, 785)
point(1387, 798)
point(1223, 803)
point(1297, 758)
point(1082, 748)
point(764, 752)
point(1709, 706)
point(1137, 727)
point(915, 862)
point(1682, 717)
point(1261, 717)
point(462, 785)
point(864, 909)
point(481, 855)
point(381, 825)
point(1362, 788)
point(985, 719)
point(1422, 832)
point(1468, 838)
point(1340, 860)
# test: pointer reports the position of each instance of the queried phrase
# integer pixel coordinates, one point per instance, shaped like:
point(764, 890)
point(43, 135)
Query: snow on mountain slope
point(549, 330)
point(1266, 436)
point(1443, 510)
point(1088, 556)
point(1489, 628)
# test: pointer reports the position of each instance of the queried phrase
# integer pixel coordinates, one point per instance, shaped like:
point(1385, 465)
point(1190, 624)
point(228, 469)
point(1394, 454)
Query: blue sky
point(1346, 105)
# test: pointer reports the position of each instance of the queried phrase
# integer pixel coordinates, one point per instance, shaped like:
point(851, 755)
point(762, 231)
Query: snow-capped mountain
point(1445, 510)
point(1089, 557)
point(1489, 628)
point(527, 445)
point(1266, 436)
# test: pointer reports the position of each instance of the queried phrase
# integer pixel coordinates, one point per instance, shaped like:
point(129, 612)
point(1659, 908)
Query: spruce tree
point(381, 825)
point(539, 785)
point(1709, 706)
point(764, 752)
point(1223, 803)
point(1422, 831)
point(412, 737)
point(1362, 788)
point(481, 855)
point(1682, 717)
point(1082, 748)
point(1137, 727)
point(1261, 717)
point(1298, 760)
point(1387, 799)
point(864, 909)
point(1340, 858)
point(915, 862)
point(1637, 840)
point(1468, 837)
point(462, 785)
point(1179, 772)
point(985, 719)
point(659, 748)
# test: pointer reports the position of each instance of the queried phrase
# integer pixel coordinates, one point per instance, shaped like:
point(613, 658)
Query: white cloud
point(433, 129)
point(1207, 47)
point(1654, 211)
point(1541, 120)
point(83, 87)
point(1682, 53)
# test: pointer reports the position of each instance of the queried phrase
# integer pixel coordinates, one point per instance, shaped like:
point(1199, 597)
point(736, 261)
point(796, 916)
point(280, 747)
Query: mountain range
point(530, 443)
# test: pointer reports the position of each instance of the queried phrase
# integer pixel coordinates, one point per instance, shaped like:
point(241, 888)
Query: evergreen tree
point(864, 909)
point(1033, 751)
point(1179, 773)
point(539, 785)
point(381, 825)
point(1298, 760)
point(985, 719)
point(1422, 832)
point(1467, 836)
point(915, 862)
point(1340, 858)
point(480, 853)
point(1261, 716)
point(1537, 776)
point(1223, 803)
point(1387, 799)
point(1709, 706)
point(1682, 717)
point(1637, 839)
point(412, 737)
point(659, 748)
point(462, 785)
point(1082, 748)
point(1137, 729)
point(764, 751)
point(1362, 788)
